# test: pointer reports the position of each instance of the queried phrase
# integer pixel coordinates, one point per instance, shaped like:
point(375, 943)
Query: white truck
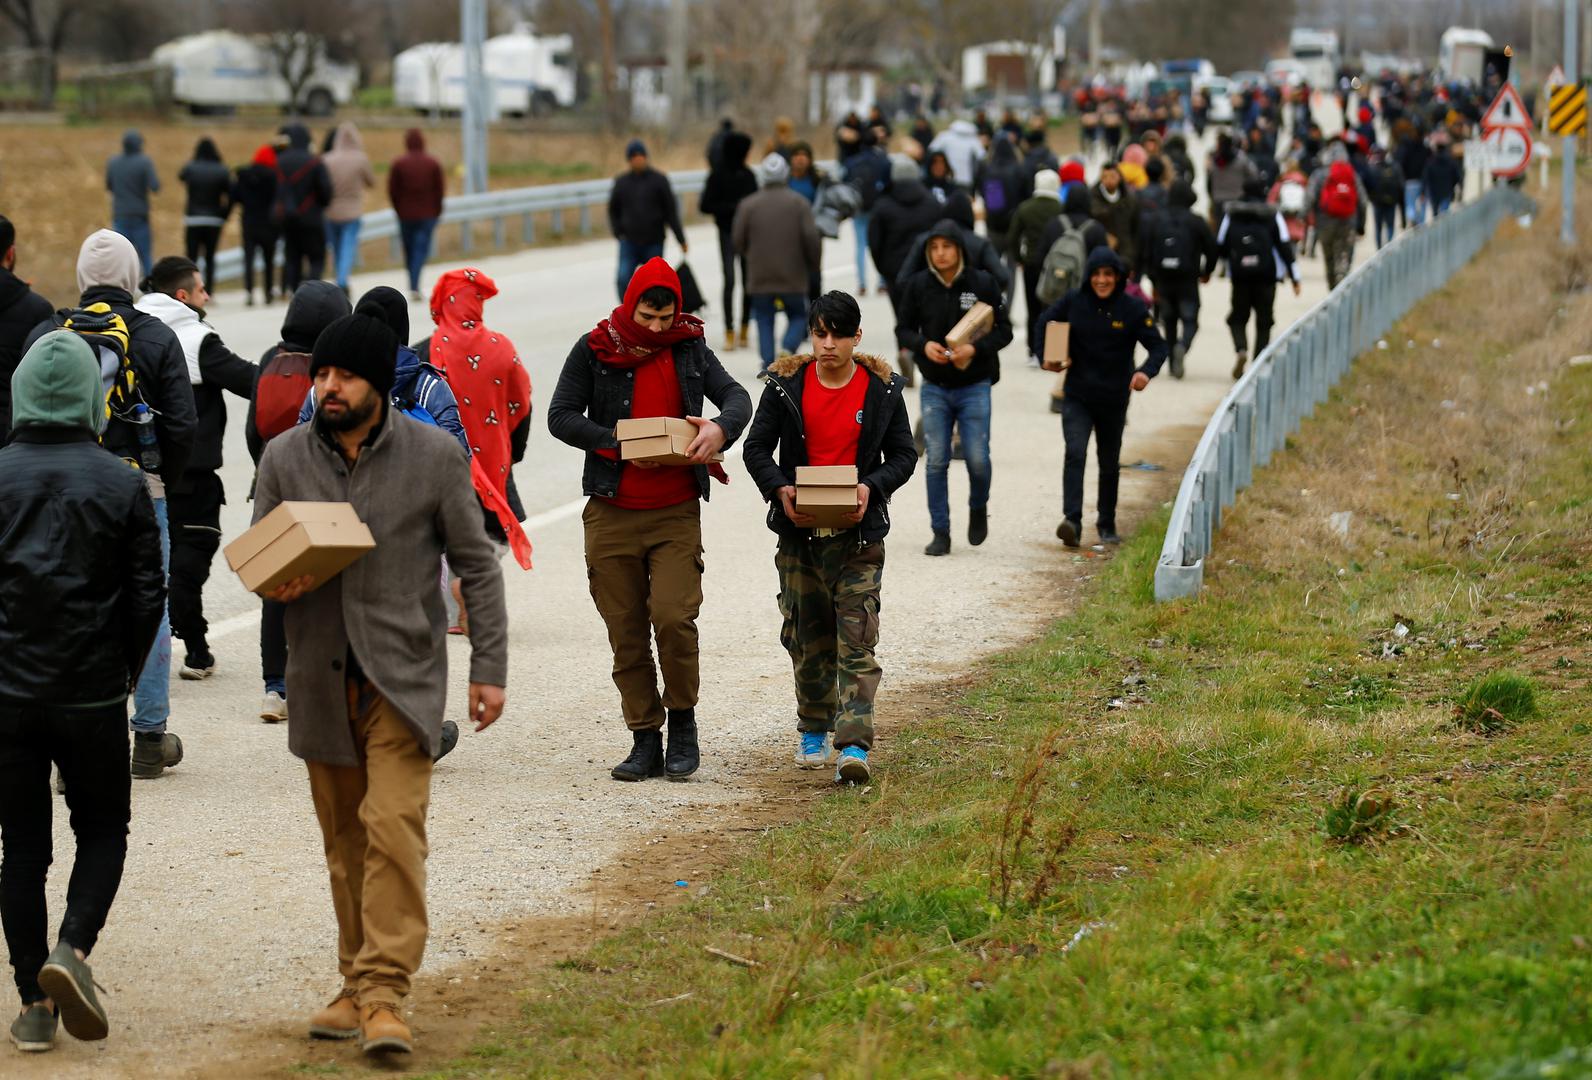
point(1316, 52)
point(220, 70)
point(529, 74)
point(1462, 55)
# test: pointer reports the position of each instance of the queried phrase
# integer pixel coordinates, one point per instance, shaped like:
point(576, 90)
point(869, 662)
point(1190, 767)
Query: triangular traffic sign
point(1507, 111)
point(1555, 77)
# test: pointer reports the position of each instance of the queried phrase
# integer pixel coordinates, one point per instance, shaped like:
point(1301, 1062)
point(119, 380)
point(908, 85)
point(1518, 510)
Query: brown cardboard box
point(296, 539)
point(979, 320)
point(1057, 335)
point(660, 439)
point(828, 493)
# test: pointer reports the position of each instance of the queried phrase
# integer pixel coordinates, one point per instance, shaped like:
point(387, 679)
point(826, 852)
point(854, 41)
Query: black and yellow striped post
point(1567, 110)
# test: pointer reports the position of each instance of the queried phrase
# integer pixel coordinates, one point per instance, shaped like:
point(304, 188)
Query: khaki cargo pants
point(644, 568)
point(829, 597)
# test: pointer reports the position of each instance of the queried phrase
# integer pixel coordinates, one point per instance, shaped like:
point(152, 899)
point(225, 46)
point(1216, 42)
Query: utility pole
point(1096, 37)
point(1572, 76)
point(676, 57)
point(477, 107)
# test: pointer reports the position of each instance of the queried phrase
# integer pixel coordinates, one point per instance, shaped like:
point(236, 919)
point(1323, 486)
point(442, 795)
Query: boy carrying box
point(832, 409)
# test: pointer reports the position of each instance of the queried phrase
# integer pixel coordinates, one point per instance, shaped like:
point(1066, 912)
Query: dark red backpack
point(1340, 197)
point(280, 392)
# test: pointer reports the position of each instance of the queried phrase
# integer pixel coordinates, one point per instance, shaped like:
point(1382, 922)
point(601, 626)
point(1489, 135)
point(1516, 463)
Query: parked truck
point(220, 70)
point(1462, 55)
point(528, 73)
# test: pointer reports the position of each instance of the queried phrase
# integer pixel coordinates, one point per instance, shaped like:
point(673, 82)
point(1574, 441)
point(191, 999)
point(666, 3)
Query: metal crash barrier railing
point(1300, 367)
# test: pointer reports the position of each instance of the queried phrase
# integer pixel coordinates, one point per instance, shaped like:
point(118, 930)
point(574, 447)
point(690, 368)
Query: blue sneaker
point(853, 766)
point(816, 749)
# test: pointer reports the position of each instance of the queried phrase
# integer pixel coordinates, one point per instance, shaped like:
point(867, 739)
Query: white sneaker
point(274, 709)
point(815, 750)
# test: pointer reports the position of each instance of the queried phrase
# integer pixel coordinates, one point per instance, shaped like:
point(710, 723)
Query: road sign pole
point(1572, 75)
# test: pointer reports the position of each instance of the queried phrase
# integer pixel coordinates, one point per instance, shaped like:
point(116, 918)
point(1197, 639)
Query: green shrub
point(1492, 703)
point(1355, 815)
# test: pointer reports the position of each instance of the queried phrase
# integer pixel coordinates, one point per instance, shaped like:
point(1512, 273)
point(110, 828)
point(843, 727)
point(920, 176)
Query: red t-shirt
point(656, 393)
point(833, 418)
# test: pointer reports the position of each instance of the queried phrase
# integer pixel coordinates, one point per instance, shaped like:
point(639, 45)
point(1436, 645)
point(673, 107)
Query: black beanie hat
point(362, 343)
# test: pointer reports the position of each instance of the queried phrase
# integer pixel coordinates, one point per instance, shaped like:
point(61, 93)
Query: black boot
point(646, 757)
point(977, 526)
point(940, 545)
point(684, 755)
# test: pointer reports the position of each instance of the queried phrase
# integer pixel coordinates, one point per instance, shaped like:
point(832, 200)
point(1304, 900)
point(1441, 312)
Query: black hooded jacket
point(886, 456)
point(1074, 215)
point(930, 308)
point(1103, 335)
point(314, 307)
point(999, 180)
point(21, 309)
point(303, 186)
point(980, 252)
point(729, 181)
point(901, 215)
point(209, 184)
point(1178, 222)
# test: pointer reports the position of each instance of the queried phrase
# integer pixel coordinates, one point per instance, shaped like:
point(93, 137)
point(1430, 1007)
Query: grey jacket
point(776, 232)
point(130, 177)
point(411, 485)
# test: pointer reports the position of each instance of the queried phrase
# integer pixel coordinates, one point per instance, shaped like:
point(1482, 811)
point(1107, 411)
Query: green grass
point(1496, 701)
point(1284, 858)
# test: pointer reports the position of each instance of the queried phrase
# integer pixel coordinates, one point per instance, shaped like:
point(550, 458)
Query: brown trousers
point(373, 823)
point(644, 568)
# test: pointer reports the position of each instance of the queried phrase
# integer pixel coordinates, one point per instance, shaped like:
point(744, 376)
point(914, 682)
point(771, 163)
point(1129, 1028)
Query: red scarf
point(620, 341)
point(492, 386)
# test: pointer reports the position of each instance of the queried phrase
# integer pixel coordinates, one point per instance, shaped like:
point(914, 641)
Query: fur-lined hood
point(786, 366)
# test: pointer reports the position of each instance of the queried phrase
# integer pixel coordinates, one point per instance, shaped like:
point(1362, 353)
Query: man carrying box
point(1104, 325)
point(367, 671)
point(826, 412)
point(957, 374)
point(644, 520)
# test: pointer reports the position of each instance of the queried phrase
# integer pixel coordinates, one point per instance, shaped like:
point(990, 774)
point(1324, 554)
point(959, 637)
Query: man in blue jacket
point(1105, 326)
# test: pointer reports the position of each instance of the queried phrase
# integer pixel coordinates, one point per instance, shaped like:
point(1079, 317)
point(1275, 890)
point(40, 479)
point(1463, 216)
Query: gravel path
point(223, 924)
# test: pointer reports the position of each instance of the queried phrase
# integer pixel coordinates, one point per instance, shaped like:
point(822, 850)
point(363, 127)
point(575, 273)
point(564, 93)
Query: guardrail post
point(585, 220)
point(499, 235)
point(1244, 440)
point(558, 221)
point(464, 237)
point(527, 228)
point(395, 249)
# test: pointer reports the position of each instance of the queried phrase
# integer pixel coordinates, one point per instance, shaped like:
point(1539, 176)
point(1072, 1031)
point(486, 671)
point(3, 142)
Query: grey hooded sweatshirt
point(130, 178)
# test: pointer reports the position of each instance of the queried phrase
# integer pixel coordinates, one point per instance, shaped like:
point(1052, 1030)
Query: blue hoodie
point(419, 391)
point(130, 177)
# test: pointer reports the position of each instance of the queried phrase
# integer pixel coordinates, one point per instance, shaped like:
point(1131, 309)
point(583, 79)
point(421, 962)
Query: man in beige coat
point(367, 664)
point(349, 167)
point(776, 234)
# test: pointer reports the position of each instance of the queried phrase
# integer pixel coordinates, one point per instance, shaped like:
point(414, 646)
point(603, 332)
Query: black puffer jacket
point(162, 372)
point(592, 397)
point(81, 586)
point(21, 309)
point(730, 181)
point(303, 187)
point(930, 308)
point(900, 216)
point(886, 456)
point(1104, 334)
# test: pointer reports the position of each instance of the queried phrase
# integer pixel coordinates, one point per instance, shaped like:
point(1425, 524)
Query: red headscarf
point(621, 341)
point(492, 386)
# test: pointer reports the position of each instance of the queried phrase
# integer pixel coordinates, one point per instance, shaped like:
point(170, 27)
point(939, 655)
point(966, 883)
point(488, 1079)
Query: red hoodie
point(416, 184)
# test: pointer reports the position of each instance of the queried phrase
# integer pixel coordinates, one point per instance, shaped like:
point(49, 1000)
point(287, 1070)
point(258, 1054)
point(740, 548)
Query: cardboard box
point(660, 439)
point(979, 320)
point(296, 539)
point(1057, 337)
point(828, 493)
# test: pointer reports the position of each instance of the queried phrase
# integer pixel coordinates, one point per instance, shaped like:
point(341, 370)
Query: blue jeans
point(795, 323)
point(152, 695)
point(967, 408)
point(1440, 207)
point(344, 236)
point(1386, 218)
point(416, 237)
point(1414, 203)
point(136, 229)
point(631, 256)
point(859, 224)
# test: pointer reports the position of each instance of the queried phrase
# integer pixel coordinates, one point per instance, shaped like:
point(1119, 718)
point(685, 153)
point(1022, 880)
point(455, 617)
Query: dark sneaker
point(1056, 405)
point(1240, 363)
point(645, 760)
point(450, 739)
point(978, 526)
point(1178, 353)
point(684, 756)
point(1108, 535)
point(199, 664)
point(34, 1031)
point(1067, 532)
point(70, 984)
point(940, 545)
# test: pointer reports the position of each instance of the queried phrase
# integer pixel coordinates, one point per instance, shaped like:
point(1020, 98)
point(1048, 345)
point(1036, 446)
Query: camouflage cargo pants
point(1337, 237)
point(829, 597)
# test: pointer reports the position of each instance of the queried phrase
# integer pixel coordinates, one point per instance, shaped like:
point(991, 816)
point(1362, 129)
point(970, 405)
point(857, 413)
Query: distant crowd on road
point(288, 196)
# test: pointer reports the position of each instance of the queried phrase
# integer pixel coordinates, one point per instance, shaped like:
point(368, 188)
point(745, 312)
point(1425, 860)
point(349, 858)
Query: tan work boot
point(339, 1020)
point(383, 1031)
point(729, 340)
point(745, 338)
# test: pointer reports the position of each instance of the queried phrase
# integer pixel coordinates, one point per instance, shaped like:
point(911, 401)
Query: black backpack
point(1249, 241)
point(1175, 254)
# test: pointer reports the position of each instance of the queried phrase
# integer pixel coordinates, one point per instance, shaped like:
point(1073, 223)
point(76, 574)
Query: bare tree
point(299, 34)
point(43, 25)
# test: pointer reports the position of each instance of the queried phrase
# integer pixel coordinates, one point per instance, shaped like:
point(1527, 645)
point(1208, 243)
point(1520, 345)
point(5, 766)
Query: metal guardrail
point(498, 207)
point(1300, 367)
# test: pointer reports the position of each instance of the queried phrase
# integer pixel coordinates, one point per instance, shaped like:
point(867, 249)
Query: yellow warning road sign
point(1567, 110)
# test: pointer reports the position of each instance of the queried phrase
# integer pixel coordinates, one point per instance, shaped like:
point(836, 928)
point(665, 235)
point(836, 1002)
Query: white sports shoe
point(815, 750)
point(274, 709)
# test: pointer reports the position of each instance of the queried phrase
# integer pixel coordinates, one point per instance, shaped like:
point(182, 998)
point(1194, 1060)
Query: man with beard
point(368, 674)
